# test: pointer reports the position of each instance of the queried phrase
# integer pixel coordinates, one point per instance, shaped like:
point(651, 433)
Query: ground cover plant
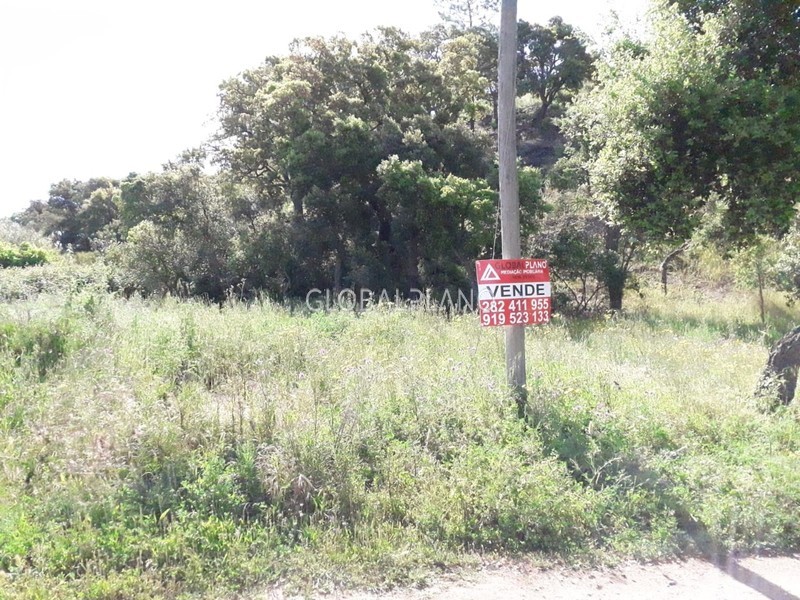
point(169, 448)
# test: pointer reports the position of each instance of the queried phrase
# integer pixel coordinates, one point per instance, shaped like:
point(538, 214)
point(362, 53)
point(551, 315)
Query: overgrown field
point(178, 449)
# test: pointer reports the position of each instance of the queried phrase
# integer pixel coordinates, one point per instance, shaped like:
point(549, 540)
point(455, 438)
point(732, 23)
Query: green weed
point(165, 448)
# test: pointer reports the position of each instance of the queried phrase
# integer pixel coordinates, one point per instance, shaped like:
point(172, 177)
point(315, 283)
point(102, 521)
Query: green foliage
point(762, 38)
point(181, 235)
point(552, 62)
point(510, 498)
point(442, 221)
point(787, 266)
point(312, 133)
point(588, 258)
point(165, 456)
point(531, 202)
point(15, 234)
point(18, 535)
point(66, 278)
point(80, 215)
point(664, 132)
point(304, 198)
point(470, 74)
point(43, 344)
point(23, 255)
point(161, 449)
point(754, 266)
point(152, 260)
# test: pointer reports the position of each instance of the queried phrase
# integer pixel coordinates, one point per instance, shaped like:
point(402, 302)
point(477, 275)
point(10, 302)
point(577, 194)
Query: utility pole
point(509, 184)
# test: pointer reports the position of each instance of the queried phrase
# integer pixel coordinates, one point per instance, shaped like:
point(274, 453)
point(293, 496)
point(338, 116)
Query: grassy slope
point(168, 449)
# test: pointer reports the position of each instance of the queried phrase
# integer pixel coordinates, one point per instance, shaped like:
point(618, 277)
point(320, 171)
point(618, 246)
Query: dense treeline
point(370, 162)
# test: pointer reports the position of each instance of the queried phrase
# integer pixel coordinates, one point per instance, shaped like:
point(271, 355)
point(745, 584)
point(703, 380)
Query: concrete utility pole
point(509, 184)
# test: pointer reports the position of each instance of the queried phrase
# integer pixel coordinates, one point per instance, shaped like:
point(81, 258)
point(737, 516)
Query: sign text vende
point(514, 290)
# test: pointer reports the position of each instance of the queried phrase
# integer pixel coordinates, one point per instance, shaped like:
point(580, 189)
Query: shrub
point(787, 269)
point(16, 234)
point(63, 279)
point(587, 258)
point(23, 255)
point(43, 344)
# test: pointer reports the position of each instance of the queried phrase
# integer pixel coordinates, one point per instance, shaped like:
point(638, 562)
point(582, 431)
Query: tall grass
point(167, 448)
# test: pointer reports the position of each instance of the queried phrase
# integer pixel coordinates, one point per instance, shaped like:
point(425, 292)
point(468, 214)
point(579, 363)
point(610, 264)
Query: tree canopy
point(370, 149)
point(76, 213)
point(665, 131)
point(552, 61)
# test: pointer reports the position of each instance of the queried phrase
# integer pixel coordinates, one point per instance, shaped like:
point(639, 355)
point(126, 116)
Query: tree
point(179, 232)
point(780, 374)
point(787, 267)
point(762, 37)
point(552, 61)
point(99, 216)
point(372, 149)
point(666, 131)
point(696, 11)
point(575, 241)
point(467, 60)
point(77, 213)
point(463, 68)
point(469, 14)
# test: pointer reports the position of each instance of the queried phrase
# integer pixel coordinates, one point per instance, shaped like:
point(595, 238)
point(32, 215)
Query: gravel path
point(775, 578)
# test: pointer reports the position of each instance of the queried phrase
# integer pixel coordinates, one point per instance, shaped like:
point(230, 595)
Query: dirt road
point(775, 578)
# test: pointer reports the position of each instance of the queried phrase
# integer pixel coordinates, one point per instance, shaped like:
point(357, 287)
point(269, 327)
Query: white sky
point(92, 88)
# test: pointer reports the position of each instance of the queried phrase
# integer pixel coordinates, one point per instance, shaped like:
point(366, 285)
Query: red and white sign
point(513, 291)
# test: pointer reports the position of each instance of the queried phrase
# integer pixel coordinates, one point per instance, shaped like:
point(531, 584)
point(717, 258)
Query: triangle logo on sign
point(490, 274)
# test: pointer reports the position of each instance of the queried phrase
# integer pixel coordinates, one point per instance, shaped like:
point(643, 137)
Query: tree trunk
point(337, 273)
point(782, 366)
point(615, 274)
point(297, 206)
point(615, 293)
point(667, 260)
point(541, 113)
point(411, 267)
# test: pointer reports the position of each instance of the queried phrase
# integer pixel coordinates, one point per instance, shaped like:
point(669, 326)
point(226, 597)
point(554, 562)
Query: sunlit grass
point(158, 448)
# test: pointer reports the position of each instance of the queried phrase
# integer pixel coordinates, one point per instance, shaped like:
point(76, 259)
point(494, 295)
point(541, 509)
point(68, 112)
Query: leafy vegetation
point(368, 163)
point(701, 119)
point(147, 452)
point(23, 255)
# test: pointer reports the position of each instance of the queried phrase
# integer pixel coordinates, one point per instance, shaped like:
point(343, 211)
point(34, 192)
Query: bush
point(23, 255)
point(159, 260)
point(787, 267)
point(64, 278)
point(16, 234)
point(585, 260)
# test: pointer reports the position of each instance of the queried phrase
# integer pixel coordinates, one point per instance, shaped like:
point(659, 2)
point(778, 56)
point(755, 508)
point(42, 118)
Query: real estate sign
point(513, 291)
